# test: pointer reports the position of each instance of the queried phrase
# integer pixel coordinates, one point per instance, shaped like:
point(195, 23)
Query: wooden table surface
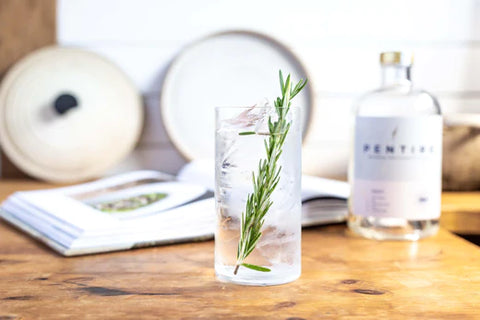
point(342, 276)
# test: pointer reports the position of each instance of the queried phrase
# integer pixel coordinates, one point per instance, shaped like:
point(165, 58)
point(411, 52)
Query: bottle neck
point(396, 75)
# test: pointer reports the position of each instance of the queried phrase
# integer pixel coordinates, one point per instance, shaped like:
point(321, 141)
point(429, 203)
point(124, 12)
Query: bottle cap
point(396, 58)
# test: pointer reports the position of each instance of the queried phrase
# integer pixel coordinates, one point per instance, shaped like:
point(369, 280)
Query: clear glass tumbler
point(241, 141)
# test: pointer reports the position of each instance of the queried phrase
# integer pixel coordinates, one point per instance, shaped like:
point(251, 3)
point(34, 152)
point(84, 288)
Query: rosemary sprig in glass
point(267, 177)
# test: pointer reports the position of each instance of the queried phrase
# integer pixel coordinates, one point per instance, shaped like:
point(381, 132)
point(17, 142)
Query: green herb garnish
point(246, 133)
point(267, 177)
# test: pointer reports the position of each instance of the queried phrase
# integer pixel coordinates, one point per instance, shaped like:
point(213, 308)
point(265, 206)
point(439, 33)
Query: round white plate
point(75, 144)
point(236, 68)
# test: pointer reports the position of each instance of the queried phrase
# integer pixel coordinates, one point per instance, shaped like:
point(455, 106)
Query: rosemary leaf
point(254, 267)
point(246, 133)
point(268, 176)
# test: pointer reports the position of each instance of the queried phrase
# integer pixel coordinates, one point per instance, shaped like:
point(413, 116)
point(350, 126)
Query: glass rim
point(251, 107)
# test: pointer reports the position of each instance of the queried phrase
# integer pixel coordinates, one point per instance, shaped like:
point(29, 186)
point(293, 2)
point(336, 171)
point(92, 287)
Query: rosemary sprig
point(267, 177)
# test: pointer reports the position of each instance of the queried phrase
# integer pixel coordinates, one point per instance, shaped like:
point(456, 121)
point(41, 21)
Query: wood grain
point(342, 276)
point(25, 25)
point(461, 212)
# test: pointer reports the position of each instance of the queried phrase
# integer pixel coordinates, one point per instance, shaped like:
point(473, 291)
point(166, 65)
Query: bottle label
point(398, 167)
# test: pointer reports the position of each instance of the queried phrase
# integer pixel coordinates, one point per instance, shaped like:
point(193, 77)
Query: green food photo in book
point(128, 204)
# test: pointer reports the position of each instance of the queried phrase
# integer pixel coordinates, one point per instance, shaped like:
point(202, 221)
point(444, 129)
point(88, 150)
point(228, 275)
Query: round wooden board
point(102, 125)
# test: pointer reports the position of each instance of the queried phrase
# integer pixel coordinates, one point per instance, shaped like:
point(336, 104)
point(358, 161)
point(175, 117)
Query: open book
point(144, 208)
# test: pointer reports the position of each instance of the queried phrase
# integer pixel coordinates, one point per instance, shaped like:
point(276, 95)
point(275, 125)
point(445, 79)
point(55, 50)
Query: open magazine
point(144, 208)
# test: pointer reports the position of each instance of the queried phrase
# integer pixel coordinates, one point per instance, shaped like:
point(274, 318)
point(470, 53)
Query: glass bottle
point(395, 167)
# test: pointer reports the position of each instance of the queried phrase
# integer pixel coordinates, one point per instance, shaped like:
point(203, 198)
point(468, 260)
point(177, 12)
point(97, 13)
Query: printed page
point(100, 205)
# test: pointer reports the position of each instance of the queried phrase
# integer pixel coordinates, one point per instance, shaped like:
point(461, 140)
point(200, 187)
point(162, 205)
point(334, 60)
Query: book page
point(202, 172)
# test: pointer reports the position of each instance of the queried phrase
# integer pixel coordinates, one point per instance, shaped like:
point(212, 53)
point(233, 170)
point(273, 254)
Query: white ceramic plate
point(235, 68)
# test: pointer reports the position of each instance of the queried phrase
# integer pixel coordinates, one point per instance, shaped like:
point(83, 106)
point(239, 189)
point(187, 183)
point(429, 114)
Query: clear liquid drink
point(240, 145)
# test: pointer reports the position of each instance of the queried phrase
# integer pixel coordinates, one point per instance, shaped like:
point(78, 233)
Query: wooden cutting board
point(461, 212)
point(18, 38)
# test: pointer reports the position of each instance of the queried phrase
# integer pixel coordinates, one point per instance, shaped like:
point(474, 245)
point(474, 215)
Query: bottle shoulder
point(397, 101)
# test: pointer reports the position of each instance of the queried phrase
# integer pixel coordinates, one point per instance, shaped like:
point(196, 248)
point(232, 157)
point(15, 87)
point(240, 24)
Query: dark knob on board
point(65, 102)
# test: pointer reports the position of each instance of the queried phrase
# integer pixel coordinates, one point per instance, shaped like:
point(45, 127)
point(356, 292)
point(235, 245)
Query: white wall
point(338, 42)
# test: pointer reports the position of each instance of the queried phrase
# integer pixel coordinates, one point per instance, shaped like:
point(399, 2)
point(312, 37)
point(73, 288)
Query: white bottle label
point(398, 167)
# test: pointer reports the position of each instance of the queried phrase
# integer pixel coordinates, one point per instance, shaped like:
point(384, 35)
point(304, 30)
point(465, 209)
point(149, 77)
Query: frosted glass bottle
point(395, 167)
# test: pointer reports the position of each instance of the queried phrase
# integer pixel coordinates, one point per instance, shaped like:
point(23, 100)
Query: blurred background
point(338, 43)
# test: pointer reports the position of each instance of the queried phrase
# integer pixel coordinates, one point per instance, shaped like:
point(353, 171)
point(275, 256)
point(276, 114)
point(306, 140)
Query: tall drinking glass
point(242, 140)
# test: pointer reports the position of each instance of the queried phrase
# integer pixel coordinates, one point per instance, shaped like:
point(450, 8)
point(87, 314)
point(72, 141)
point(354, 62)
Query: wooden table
point(342, 276)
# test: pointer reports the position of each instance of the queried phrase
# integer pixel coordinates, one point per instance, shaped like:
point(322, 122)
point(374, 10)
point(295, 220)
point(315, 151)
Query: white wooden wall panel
point(338, 41)
point(310, 21)
point(154, 132)
point(442, 69)
point(145, 65)
point(164, 158)
point(452, 104)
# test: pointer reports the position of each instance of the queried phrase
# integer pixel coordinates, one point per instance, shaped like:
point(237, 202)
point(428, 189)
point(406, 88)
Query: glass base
point(392, 228)
point(245, 276)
